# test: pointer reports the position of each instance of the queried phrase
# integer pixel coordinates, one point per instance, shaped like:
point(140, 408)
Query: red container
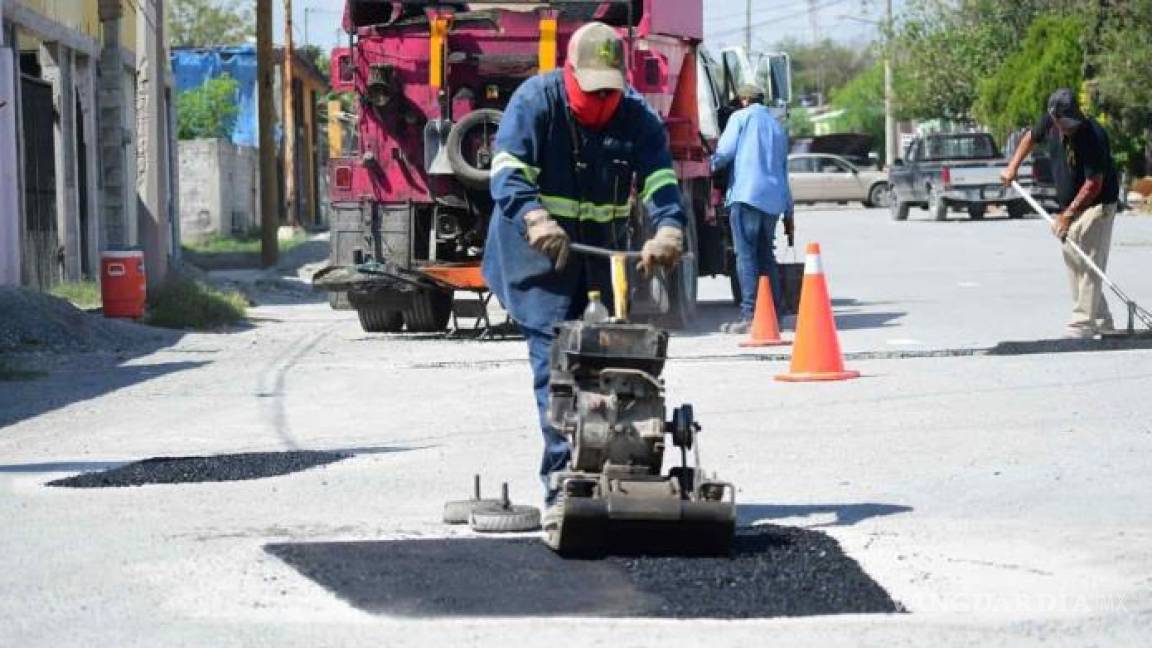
point(123, 286)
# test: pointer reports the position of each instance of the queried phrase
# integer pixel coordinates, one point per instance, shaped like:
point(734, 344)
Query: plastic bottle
point(596, 312)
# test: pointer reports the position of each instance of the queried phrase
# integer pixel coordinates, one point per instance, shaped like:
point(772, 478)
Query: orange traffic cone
point(817, 352)
point(765, 329)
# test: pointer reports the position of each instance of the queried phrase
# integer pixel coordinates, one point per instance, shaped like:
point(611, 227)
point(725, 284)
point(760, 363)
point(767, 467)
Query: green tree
point(824, 66)
point(862, 100)
point(211, 23)
point(208, 111)
point(1119, 71)
point(944, 48)
point(1050, 57)
point(799, 123)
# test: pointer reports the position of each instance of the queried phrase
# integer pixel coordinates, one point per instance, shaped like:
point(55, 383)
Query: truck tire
point(937, 205)
point(976, 212)
point(377, 319)
point(1018, 209)
point(429, 311)
point(896, 207)
point(514, 519)
point(469, 175)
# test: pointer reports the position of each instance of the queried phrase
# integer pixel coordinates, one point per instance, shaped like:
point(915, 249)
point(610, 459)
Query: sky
point(773, 21)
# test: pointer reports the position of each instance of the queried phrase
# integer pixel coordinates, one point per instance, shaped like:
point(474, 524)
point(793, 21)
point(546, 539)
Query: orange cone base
point(817, 377)
point(764, 343)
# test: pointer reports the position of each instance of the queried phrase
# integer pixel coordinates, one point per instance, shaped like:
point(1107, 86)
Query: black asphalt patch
point(186, 470)
point(774, 571)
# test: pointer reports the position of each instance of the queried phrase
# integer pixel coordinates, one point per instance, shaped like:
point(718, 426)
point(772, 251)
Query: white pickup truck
point(953, 171)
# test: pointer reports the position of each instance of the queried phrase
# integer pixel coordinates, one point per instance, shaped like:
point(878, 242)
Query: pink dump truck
point(410, 209)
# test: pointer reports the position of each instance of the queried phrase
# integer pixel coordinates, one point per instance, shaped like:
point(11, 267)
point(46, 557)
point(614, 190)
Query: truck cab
point(953, 171)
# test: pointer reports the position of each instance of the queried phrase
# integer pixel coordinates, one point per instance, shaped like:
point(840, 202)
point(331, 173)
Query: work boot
point(739, 327)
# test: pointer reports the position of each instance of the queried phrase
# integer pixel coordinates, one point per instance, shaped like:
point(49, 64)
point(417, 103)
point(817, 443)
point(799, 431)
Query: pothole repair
point(190, 470)
point(774, 571)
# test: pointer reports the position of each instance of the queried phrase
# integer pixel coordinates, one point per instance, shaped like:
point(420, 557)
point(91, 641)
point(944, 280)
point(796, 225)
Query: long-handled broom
point(1135, 311)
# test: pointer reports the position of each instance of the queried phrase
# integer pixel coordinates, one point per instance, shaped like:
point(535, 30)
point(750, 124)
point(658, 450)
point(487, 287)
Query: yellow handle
point(440, 25)
point(547, 54)
point(620, 285)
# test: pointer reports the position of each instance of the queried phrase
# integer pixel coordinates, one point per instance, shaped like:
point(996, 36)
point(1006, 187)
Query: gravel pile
point(773, 572)
point(190, 470)
point(34, 321)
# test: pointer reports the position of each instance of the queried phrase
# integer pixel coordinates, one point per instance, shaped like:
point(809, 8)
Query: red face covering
point(593, 110)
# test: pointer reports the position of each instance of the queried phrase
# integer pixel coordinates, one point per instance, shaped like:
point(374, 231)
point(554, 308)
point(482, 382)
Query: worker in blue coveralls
point(756, 146)
point(573, 149)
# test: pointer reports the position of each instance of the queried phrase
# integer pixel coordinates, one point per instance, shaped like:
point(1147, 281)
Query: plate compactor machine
point(607, 397)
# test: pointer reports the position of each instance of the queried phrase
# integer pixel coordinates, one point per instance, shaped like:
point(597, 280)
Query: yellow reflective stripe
point(561, 207)
point(505, 160)
point(657, 181)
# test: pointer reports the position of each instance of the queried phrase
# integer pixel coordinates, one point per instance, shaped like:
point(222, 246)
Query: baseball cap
point(1062, 105)
point(750, 91)
point(596, 55)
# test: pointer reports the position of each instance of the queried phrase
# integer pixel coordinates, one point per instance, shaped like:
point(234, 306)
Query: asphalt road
point(1001, 499)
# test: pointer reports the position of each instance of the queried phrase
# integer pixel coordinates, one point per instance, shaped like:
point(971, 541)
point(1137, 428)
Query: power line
point(776, 18)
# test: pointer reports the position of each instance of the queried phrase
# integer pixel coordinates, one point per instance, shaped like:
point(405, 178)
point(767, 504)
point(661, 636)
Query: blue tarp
point(192, 67)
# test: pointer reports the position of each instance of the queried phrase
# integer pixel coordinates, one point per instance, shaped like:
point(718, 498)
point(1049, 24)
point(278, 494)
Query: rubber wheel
point(429, 312)
point(460, 511)
point(878, 196)
point(469, 175)
point(1018, 209)
point(514, 519)
point(937, 206)
point(898, 209)
point(375, 319)
point(976, 212)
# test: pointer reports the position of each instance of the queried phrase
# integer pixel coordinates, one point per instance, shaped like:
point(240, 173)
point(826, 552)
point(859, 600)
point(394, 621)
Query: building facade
point(86, 118)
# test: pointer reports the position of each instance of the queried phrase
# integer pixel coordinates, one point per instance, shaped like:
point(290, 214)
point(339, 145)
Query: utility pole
point(269, 220)
point(288, 85)
point(748, 26)
point(890, 143)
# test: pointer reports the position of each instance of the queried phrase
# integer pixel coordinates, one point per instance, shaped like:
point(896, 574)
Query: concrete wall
point(217, 188)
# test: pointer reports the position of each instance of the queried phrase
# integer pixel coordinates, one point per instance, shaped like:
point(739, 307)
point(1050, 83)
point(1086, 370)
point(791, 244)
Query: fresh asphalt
point(999, 499)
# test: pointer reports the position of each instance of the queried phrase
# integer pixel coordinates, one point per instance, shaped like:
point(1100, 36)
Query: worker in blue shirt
point(574, 149)
point(756, 146)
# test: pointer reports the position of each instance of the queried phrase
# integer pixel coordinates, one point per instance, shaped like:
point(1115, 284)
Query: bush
point(185, 303)
point(208, 111)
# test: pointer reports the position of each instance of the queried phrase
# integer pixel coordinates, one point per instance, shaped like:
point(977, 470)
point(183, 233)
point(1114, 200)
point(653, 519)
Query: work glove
point(547, 237)
point(664, 249)
point(790, 228)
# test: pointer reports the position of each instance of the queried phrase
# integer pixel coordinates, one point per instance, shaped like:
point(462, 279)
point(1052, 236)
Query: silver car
point(819, 177)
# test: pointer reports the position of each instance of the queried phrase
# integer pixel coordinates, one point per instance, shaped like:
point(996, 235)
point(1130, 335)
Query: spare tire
point(467, 173)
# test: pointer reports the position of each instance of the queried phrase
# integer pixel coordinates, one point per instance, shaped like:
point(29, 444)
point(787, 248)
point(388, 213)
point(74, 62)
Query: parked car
point(817, 177)
point(949, 171)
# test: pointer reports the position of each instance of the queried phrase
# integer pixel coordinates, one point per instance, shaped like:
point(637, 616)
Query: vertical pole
point(748, 26)
point(287, 83)
point(264, 69)
point(890, 143)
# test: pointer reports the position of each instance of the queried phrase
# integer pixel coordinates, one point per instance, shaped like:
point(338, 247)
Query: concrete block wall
point(217, 188)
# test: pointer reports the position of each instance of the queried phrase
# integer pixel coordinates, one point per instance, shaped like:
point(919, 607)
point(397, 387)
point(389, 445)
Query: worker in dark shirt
point(1087, 189)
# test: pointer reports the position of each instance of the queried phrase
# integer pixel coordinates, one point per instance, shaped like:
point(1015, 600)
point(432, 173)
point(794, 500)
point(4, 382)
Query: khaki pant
point(1092, 231)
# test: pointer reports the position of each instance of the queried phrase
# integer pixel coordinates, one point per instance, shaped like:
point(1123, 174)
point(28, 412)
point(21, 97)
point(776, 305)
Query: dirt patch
point(191, 470)
point(773, 571)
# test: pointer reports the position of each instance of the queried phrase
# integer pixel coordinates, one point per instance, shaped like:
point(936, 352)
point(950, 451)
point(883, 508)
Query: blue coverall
point(591, 198)
point(756, 146)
